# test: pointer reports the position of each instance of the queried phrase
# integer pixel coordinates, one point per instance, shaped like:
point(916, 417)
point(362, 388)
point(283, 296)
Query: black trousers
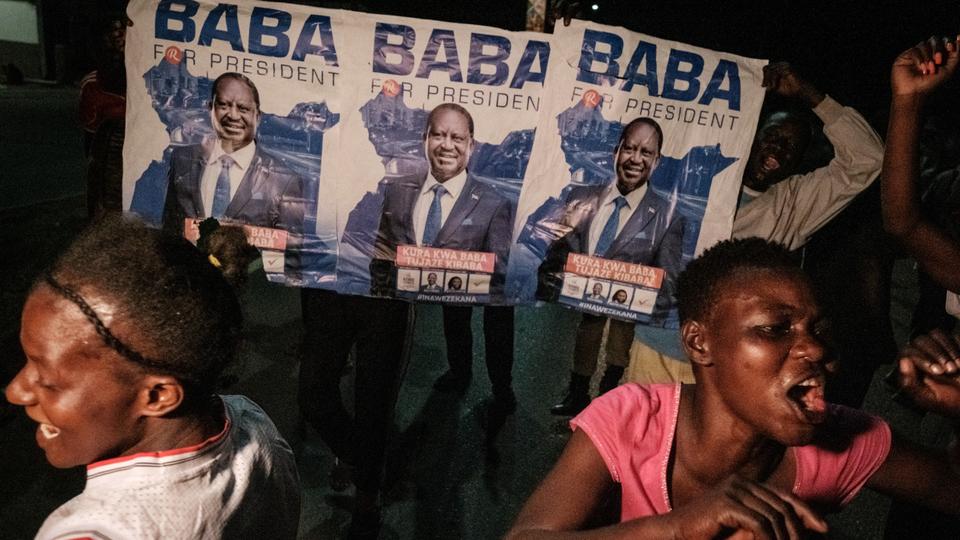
point(333, 324)
point(498, 340)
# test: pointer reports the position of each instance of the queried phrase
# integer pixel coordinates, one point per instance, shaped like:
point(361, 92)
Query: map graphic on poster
point(588, 142)
point(636, 167)
point(181, 101)
point(396, 132)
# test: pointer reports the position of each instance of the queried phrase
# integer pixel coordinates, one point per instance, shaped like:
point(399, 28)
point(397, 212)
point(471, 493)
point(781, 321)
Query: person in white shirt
point(777, 203)
point(121, 364)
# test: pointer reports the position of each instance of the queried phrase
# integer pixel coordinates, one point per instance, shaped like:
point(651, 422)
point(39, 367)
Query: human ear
point(160, 395)
point(695, 344)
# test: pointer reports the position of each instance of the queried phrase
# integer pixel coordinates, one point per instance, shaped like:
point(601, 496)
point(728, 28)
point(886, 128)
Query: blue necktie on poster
point(434, 217)
point(221, 197)
point(609, 231)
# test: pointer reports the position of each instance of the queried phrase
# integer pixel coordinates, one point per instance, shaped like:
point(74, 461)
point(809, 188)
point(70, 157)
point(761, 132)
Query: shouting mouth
point(49, 431)
point(769, 164)
point(807, 397)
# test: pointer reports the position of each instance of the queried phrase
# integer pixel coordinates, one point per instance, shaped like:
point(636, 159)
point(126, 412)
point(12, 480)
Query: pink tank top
point(633, 427)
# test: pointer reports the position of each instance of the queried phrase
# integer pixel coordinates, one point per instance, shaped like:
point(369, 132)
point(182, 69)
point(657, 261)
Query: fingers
point(936, 353)
point(773, 73)
point(773, 514)
point(933, 53)
point(810, 519)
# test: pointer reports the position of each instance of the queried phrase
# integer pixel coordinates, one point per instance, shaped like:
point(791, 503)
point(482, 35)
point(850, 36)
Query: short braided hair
point(186, 316)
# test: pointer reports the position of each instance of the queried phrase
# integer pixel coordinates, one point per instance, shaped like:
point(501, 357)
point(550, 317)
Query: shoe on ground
point(571, 404)
point(341, 475)
point(450, 382)
point(365, 525)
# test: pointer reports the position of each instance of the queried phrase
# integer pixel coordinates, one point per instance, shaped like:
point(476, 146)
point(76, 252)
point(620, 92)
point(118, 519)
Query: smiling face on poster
point(621, 160)
point(234, 112)
point(637, 164)
point(430, 187)
point(449, 142)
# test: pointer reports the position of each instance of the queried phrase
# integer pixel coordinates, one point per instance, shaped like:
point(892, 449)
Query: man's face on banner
point(637, 157)
point(449, 144)
point(431, 279)
point(235, 115)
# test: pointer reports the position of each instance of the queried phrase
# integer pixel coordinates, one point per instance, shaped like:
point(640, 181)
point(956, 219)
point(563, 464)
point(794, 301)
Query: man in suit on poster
point(231, 177)
point(623, 220)
point(446, 208)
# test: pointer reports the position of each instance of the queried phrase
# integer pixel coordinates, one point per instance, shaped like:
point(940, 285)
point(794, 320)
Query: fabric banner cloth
point(316, 138)
point(694, 112)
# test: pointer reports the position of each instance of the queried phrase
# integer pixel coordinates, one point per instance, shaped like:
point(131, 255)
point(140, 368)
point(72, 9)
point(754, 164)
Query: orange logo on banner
point(591, 98)
point(173, 55)
point(391, 88)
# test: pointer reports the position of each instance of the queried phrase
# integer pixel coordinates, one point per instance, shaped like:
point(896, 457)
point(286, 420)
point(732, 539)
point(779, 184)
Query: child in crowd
point(125, 338)
point(752, 446)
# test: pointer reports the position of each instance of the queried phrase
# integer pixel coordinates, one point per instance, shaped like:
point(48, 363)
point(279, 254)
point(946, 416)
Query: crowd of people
point(743, 422)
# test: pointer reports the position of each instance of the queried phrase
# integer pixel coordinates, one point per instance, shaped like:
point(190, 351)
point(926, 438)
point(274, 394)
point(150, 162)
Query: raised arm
point(916, 73)
point(791, 211)
point(929, 375)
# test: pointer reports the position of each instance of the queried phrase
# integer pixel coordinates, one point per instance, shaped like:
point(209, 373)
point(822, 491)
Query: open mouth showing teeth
point(49, 431)
point(770, 163)
point(807, 396)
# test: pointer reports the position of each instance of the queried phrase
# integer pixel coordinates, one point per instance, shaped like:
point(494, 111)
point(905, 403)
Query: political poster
point(438, 162)
point(435, 155)
point(232, 109)
point(636, 167)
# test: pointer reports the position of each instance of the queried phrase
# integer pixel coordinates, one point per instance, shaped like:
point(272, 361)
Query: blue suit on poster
point(481, 220)
point(653, 235)
point(270, 194)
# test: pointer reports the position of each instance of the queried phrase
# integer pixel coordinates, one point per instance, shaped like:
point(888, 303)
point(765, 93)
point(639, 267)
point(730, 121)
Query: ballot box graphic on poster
point(444, 106)
point(636, 168)
point(260, 134)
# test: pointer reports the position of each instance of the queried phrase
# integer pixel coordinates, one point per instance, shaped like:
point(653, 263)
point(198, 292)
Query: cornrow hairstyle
point(699, 285)
point(186, 317)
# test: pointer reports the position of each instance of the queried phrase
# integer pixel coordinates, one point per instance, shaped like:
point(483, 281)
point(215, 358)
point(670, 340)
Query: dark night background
point(844, 47)
point(445, 482)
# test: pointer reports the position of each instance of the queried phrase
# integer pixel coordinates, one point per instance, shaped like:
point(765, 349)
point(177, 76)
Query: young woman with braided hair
point(125, 337)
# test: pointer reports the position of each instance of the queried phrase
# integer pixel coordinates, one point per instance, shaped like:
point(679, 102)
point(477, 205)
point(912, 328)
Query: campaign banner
point(231, 108)
point(636, 167)
point(428, 274)
point(435, 154)
point(258, 237)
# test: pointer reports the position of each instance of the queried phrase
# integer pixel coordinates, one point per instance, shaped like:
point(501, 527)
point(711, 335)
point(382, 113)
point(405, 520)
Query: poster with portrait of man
point(230, 113)
point(439, 141)
point(635, 168)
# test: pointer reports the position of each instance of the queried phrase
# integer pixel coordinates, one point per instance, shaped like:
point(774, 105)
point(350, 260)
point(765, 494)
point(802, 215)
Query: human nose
point(19, 391)
point(810, 347)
